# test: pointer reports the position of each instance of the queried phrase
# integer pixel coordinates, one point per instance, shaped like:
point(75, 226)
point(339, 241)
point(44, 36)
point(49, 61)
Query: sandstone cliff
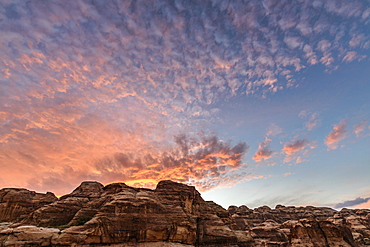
point(173, 214)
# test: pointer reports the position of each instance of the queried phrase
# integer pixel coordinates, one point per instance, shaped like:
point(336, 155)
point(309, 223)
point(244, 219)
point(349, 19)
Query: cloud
point(263, 152)
point(350, 56)
point(310, 54)
point(356, 40)
point(359, 128)
point(323, 45)
point(327, 59)
point(292, 42)
point(336, 135)
point(352, 203)
point(273, 130)
point(87, 80)
point(311, 117)
point(293, 148)
point(365, 205)
point(299, 160)
point(205, 161)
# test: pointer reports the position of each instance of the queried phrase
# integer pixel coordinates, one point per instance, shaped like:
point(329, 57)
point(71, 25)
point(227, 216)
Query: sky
point(256, 102)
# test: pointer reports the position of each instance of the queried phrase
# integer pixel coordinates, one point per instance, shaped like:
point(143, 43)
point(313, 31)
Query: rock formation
point(16, 204)
point(173, 214)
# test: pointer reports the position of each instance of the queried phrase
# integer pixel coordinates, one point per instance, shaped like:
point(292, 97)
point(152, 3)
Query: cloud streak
point(352, 203)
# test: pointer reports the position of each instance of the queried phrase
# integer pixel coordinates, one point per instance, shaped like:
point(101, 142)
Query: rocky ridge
point(173, 214)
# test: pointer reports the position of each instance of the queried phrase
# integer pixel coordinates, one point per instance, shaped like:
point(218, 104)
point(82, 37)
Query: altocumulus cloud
point(84, 80)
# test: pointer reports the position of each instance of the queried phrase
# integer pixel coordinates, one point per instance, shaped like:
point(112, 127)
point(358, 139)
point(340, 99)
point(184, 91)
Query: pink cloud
point(327, 59)
point(291, 149)
point(357, 129)
point(273, 130)
point(356, 40)
point(310, 54)
point(336, 135)
point(263, 152)
point(350, 56)
point(323, 45)
point(299, 160)
point(292, 42)
point(311, 117)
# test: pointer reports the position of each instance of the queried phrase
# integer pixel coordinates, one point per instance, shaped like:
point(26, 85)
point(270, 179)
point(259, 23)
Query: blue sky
point(255, 102)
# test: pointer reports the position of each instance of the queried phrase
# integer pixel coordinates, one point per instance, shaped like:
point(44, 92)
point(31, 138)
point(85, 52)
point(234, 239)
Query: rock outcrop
point(173, 214)
point(16, 204)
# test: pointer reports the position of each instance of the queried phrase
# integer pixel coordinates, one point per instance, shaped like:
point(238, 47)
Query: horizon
point(257, 103)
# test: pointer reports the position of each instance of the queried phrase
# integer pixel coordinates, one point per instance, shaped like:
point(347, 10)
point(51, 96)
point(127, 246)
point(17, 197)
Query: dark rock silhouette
point(173, 214)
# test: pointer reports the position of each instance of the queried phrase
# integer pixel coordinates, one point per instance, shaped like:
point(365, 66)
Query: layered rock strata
point(173, 214)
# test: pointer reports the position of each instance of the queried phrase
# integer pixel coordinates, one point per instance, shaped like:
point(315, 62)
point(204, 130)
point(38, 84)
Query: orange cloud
point(263, 152)
point(203, 161)
point(336, 135)
point(291, 149)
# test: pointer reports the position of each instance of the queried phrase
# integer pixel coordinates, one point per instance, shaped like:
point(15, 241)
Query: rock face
point(173, 214)
point(16, 204)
